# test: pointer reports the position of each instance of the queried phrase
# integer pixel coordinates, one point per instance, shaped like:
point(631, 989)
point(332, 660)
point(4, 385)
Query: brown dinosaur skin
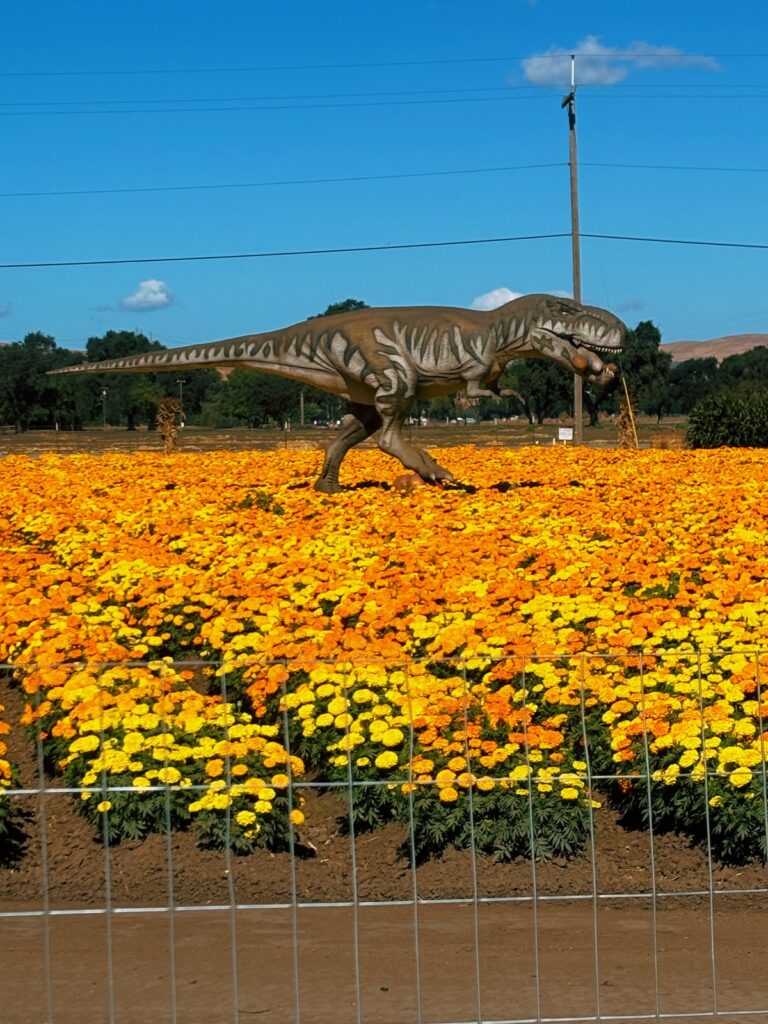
point(382, 360)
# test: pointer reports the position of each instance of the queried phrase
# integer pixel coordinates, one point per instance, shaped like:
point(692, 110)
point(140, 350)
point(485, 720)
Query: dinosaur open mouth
point(600, 348)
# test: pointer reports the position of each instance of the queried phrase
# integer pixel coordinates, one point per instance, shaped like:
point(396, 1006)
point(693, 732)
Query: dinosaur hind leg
point(394, 410)
point(360, 422)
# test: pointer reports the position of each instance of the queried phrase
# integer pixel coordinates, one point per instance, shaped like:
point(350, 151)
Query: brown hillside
point(730, 345)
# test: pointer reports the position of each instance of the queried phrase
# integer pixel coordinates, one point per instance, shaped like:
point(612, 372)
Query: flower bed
point(199, 636)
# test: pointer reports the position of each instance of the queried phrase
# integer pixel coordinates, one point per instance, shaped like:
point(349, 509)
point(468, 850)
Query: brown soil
point(567, 953)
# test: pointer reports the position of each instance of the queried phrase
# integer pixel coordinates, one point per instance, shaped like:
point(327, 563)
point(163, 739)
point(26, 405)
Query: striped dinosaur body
point(382, 360)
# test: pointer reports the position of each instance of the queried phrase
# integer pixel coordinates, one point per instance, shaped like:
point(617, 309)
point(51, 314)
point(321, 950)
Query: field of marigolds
point(200, 637)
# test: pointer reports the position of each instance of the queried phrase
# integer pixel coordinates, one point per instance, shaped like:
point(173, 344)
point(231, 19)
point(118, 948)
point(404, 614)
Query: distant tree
point(645, 368)
point(543, 388)
point(28, 398)
point(689, 382)
point(131, 398)
point(745, 370)
point(253, 399)
point(347, 306)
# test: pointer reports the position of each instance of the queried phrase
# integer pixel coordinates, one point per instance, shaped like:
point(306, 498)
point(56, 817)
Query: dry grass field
point(668, 434)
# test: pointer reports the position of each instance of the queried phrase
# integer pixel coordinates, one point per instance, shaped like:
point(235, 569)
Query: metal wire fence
point(356, 924)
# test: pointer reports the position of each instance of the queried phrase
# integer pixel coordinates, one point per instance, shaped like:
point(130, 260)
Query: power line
point(278, 106)
point(380, 248)
point(677, 241)
point(592, 88)
point(288, 181)
point(128, 190)
point(253, 99)
point(678, 167)
point(539, 95)
point(291, 252)
point(361, 65)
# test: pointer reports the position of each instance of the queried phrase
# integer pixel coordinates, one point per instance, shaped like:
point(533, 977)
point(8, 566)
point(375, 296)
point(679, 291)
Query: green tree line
point(541, 389)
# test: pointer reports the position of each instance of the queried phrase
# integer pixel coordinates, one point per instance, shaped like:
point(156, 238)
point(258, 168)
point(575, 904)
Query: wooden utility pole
point(570, 103)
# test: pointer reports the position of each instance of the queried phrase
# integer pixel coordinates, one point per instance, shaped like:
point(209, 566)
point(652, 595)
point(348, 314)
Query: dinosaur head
point(576, 336)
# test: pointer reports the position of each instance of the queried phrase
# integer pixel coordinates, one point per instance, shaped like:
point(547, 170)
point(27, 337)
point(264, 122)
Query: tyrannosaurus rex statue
point(381, 360)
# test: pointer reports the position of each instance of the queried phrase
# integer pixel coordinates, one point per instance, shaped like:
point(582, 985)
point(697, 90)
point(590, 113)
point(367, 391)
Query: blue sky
point(178, 129)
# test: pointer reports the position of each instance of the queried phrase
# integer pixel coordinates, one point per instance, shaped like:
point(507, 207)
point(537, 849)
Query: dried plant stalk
point(625, 421)
point(168, 410)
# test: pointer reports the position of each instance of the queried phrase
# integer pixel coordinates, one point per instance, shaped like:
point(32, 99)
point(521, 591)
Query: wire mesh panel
point(540, 838)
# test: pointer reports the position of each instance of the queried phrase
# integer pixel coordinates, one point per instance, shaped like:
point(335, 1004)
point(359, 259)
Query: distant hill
point(730, 345)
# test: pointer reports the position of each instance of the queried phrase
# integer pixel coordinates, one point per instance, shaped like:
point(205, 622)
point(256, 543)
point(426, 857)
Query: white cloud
point(606, 65)
point(495, 298)
point(5, 309)
point(150, 295)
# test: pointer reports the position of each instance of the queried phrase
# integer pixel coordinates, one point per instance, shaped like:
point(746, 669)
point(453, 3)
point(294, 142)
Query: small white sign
point(565, 433)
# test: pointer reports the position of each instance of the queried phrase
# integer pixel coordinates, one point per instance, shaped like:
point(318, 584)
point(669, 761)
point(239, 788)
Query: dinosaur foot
point(328, 486)
point(406, 483)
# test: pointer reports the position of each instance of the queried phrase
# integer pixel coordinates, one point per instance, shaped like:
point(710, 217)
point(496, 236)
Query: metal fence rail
point(458, 939)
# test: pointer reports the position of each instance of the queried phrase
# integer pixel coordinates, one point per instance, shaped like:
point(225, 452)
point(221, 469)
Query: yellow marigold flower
point(280, 781)
point(141, 782)
point(83, 744)
point(169, 775)
point(262, 806)
point(569, 793)
point(104, 805)
point(740, 776)
point(133, 742)
point(297, 817)
point(245, 818)
point(387, 759)
point(484, 783)
point(214, 768)
point(392, 737)
point(448, 795)
point(337, 706)
point(324, 720)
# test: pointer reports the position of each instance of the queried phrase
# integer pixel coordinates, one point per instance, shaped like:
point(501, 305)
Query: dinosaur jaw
point(587, 363)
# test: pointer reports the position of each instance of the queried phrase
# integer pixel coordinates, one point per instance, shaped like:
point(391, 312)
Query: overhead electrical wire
point(537, 96)
point(592, 89)
point(389, 247)
point(404, 175)
point(360, 65)
point(286, 181)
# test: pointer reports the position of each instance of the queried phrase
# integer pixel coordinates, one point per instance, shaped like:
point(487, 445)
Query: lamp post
point(181, 384)
point(104, 391)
